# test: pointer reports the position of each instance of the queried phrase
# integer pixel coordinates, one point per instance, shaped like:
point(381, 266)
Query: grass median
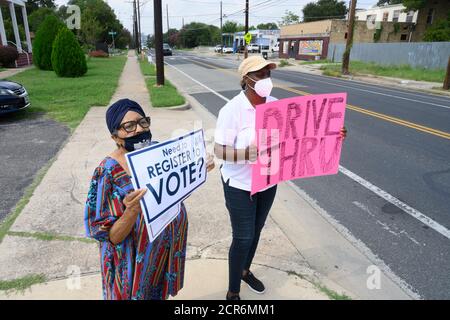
point(67, 100)
point(402, 71)
point(162, 96)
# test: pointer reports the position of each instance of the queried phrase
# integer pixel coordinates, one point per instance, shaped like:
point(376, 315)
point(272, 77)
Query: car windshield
point(166, 46)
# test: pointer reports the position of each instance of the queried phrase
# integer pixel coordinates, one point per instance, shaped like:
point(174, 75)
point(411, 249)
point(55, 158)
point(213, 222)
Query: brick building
point(310, 40)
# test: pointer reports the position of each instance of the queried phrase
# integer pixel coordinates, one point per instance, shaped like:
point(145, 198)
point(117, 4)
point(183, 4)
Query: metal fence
point(430, 55)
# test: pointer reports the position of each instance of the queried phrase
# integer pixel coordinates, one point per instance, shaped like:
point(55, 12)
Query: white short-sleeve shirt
point(236, 128)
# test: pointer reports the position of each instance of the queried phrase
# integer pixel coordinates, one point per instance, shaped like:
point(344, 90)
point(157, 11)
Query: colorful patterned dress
point(135, 268)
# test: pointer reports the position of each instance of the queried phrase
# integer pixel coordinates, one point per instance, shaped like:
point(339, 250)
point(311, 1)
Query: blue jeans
point(248, 216)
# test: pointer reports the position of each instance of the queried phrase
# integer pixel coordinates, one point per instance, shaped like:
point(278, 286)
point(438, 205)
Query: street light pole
point(157, 8)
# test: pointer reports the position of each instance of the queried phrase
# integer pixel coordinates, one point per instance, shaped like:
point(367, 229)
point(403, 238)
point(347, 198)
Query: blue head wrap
point(117, 111)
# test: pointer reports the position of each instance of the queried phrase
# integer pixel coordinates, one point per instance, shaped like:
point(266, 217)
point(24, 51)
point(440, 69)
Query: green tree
point(38, 16)
point(267, 26)
point(124, 39)
point(33, 5)
point(413, 4)
point(91, 28)
point(324, 9)
point(103, 13)
point(229, 27)
point(197, 33)
point(439, 31)
point(151, 41)
point(289, 18)
point(43, 42)
point(68, 59)
point(169, 38)
point(388, 2)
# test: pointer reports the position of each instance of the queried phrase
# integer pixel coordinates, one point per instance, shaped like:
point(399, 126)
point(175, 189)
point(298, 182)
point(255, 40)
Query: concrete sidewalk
point(56, 208)
point(9, 72)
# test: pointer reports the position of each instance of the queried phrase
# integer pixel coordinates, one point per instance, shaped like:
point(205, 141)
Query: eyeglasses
point(131, 126)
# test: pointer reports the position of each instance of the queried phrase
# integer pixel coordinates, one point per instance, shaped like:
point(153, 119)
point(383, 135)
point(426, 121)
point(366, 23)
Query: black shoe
point(253, 283)
point(233, 297)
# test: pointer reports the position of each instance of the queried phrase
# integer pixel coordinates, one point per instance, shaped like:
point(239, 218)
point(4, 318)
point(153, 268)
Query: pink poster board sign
point(298, 138)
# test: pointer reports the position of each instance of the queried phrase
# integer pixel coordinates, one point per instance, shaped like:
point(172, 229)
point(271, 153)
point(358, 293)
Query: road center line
point(313, 77)
point(378, 191)
point(379, 93)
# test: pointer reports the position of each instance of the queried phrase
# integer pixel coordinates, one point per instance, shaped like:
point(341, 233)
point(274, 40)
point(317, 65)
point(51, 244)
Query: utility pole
point(447, 76)
point(136, 33)
point(139, 26)
point(157, 8)
point(221, 31)
point(246, 29)
point(348, 46)
point(167, 13)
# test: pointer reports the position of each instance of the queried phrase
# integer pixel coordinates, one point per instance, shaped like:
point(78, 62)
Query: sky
point(208, 11)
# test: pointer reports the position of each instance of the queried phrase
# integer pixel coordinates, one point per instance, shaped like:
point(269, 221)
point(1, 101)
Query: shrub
point(68, 59)
point(284, 63)
point(98, 54)
point(43, 42)
point(8, 55)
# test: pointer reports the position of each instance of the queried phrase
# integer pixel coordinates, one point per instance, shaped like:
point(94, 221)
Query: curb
point(181, 107)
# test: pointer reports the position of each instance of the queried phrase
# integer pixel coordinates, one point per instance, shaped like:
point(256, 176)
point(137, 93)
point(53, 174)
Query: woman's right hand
point(252, 152)
point(131, 201)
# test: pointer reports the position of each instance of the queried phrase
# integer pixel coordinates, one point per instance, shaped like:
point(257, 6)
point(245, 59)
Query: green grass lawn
point(403, 71)
point(67, 100)
point(164, 96)
point(148, 69)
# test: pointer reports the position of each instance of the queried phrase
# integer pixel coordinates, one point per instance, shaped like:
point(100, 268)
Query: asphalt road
point(27, 142)
point(393, 190)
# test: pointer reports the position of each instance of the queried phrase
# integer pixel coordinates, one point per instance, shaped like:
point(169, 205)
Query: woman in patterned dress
point(132, 267)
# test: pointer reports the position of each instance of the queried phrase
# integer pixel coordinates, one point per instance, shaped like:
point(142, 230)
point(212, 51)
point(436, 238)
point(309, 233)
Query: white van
point(276, 47)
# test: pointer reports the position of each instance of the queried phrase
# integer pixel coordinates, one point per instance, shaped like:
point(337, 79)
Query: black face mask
point(138, 141)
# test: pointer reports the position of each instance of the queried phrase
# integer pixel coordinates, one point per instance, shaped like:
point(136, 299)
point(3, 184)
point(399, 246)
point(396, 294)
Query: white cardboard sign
point(171, 171)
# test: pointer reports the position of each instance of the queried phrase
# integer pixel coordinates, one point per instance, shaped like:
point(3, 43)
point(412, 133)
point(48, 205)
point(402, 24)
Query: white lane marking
point(198, 82)
point(361, 246)
point(358, 83)
point(344, 84)
point(374, 92)
point(355, 82)
point(384, 225)
point(396, 202)
point(383, 194)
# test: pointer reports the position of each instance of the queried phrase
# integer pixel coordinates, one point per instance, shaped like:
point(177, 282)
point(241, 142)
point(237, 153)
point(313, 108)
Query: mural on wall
point(310, 47)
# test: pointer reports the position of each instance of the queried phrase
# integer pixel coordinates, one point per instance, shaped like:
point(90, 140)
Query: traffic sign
point(248, 37)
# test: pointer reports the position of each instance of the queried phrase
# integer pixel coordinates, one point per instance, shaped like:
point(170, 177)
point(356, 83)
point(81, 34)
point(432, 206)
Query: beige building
point(310, 40)
point(389, 13)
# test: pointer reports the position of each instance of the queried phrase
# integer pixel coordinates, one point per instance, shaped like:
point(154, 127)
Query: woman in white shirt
point(235, 143)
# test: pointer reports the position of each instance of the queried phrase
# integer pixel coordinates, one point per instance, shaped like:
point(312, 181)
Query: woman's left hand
point(343, 133)
point(210, 165)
